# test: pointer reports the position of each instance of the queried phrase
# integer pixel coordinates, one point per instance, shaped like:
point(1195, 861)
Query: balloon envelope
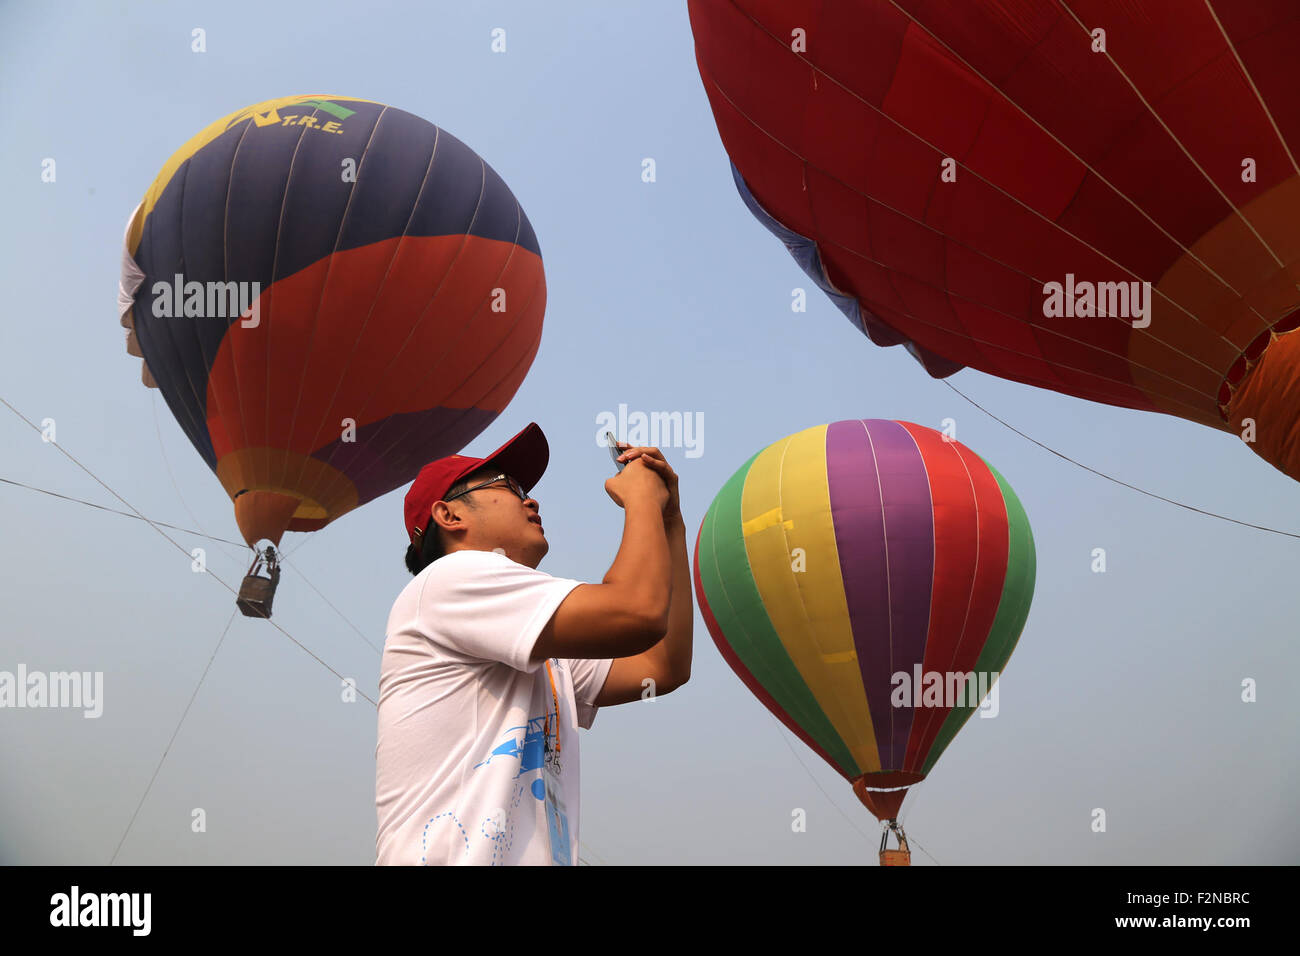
point(942, 168)
point(329, 293)
point(842, 565)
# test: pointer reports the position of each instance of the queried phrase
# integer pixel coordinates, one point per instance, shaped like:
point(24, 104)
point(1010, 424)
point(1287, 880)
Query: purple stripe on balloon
point(860, 539)
point(884, 531)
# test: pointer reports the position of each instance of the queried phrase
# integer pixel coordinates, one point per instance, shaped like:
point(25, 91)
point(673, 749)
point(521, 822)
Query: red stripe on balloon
point(971, 562)
point(346, 341)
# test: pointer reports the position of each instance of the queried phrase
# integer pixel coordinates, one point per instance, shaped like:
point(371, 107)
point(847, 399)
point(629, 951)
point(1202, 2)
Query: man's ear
point(445, 517)
point(441, 515)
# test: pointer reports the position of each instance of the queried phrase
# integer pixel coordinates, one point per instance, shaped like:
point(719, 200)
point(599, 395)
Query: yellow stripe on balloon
point(786, 505)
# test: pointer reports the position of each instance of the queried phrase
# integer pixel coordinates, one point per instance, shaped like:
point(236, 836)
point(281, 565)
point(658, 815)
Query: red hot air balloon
point(853, 575)
point(329, 292)
point(1097, 197)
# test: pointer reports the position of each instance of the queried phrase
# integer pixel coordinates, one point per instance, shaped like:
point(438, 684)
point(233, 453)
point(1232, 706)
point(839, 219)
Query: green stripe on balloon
point(1013, 610)
point(334, 109)
point(746, 627)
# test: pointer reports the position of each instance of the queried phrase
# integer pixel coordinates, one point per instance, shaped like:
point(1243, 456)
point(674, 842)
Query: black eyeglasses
point(510, 483)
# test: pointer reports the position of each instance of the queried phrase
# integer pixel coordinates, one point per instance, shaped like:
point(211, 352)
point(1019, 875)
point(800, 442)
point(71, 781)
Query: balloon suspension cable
point(258, 589)
point(1102, 474)
point(902, 856)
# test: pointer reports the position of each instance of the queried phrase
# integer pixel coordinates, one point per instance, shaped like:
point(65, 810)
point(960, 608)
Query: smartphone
point(614, 450)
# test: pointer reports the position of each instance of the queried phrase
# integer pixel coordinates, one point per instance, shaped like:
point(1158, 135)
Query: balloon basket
point(258, 589)
point(902, 856)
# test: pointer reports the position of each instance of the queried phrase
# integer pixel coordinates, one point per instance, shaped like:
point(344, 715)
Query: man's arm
point(628, 612)
point(668, 663)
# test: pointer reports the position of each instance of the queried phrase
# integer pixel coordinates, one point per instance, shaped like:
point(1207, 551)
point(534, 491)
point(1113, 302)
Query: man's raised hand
point(637, 482)
point(654, 458)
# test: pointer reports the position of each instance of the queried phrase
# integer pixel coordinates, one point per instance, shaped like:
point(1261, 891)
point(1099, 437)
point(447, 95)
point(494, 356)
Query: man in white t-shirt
point(491, 666)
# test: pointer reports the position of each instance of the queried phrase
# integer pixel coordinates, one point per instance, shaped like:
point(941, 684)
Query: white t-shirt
point(463, 717)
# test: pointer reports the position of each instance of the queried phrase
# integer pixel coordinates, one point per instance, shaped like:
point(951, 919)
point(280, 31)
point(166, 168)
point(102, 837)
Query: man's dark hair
point(430, 546)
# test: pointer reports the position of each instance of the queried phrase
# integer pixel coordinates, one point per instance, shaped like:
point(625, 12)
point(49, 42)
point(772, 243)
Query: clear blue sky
point(1124, 692)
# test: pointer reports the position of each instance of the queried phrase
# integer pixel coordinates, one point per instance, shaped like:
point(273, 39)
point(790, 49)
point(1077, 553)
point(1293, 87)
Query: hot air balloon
point(329, 292)
point(867, 580)
point(1097, 197)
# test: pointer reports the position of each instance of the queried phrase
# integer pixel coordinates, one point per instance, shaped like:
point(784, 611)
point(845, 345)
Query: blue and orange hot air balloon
point(329, 292)
point(851, 575)
point(950, 170)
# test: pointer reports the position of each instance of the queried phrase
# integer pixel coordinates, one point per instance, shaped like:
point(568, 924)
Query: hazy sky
point(1124, 692)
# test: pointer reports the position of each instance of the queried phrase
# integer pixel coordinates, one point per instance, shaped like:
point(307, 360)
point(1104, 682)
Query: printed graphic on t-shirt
point(530, 751)
point(526, 744)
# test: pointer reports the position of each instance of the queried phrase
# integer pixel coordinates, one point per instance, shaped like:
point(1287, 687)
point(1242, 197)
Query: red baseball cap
point(523, 458)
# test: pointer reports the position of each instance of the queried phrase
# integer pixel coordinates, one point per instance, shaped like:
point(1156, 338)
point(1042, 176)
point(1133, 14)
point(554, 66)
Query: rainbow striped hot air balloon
point(842, 568)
